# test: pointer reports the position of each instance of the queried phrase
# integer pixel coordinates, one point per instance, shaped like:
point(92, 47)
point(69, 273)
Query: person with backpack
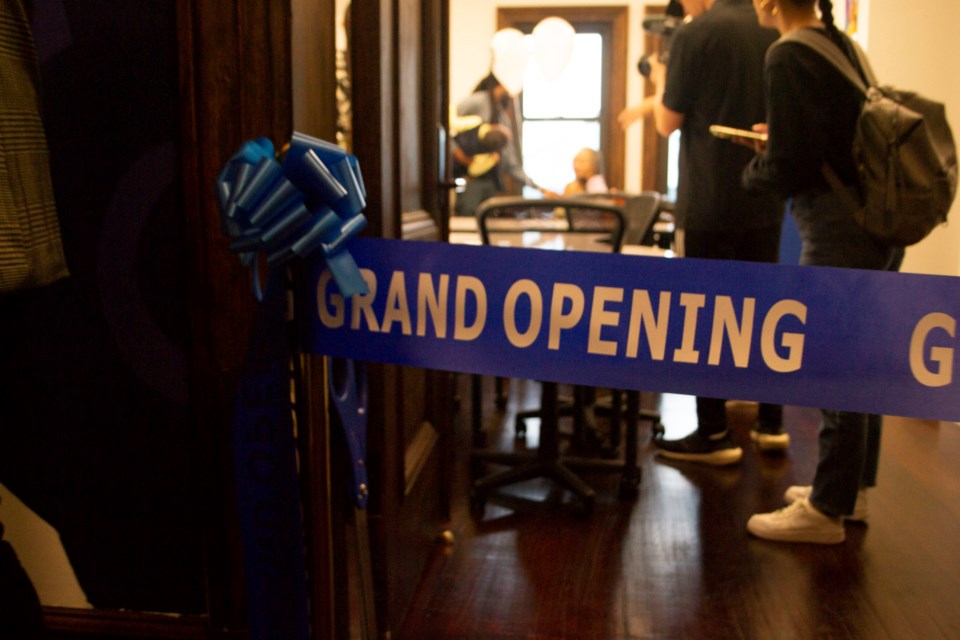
point(812, 112)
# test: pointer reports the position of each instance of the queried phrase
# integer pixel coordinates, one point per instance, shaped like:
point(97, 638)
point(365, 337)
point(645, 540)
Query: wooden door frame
point(653, 169)
point(610, 21)
point(400, 211)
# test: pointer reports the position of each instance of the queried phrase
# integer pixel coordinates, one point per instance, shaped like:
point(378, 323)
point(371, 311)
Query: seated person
point(588, 172)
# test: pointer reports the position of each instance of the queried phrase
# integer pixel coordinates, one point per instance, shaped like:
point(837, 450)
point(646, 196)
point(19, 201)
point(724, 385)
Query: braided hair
point(826, 14)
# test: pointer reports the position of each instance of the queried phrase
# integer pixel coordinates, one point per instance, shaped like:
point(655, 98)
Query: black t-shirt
point(812, 112)
point(715, 76)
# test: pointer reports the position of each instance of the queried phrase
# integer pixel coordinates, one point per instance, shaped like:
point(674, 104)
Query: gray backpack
point(903, 149)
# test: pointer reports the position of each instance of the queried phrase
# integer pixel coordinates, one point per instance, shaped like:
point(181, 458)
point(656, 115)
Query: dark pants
point(849, 441)
point(749, 245)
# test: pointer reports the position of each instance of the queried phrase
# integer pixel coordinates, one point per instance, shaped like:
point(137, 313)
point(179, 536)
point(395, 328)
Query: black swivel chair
point(591, 224)
point(585, 223)
point(598, 225)
point(641, 211)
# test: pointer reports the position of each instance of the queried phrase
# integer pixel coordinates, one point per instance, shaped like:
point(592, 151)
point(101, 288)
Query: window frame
point(654, 147)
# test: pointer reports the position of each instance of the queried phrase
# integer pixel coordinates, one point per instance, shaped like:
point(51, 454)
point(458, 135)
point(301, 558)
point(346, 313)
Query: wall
point(915, 46)
point(909, 46)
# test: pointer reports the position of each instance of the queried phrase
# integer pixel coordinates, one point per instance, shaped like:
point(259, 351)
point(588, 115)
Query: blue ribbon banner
point(811, 336)
point(275, 211)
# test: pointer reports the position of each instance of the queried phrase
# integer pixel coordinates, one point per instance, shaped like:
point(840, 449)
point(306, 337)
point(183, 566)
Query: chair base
point(548, 462)
point(555, 470)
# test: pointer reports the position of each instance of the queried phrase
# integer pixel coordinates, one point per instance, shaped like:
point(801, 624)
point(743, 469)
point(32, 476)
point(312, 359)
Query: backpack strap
point(864, 63)
point(822, 44)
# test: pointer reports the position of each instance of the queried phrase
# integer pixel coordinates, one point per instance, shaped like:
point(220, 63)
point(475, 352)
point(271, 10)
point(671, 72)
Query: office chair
point(641, 211)
point(588, 224)
point(598, 225)
point(581, 223)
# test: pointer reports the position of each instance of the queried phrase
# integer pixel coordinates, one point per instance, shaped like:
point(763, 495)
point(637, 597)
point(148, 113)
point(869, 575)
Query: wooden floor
point(677, 561)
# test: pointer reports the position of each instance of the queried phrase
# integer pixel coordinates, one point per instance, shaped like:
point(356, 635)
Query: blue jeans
point(849, 441)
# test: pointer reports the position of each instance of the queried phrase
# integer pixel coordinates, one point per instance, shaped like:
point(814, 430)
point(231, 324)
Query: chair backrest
point(586, 224)
point(640, 212)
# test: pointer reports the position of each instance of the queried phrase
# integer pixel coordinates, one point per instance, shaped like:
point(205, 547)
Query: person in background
point(674, 14)
point(588, 172)
point(811, 114)
point(714, 75)
point(493, 104)
point(476, 150)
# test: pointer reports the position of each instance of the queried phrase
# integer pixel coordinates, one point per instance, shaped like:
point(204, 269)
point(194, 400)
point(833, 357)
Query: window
point(561, 117)
point(579, 109)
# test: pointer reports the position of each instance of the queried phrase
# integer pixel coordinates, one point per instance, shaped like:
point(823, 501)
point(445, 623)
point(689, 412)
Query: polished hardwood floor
point(676, 562)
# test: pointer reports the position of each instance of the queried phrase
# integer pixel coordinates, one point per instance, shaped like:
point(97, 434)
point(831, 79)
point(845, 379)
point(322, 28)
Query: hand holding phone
point(728, 133)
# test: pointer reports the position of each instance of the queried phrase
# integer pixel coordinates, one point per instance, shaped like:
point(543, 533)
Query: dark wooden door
point(399, 77)
point(144, 103)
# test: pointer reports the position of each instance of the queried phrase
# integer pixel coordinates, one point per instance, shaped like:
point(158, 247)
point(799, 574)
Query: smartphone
point(726, 133)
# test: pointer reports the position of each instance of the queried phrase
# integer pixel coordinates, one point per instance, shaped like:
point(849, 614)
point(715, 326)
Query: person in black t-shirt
point(811, 114)
point(715, 76)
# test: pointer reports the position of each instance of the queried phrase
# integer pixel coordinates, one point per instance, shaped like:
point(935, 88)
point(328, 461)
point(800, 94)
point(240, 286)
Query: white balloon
point(510, 58)
point(553, 46)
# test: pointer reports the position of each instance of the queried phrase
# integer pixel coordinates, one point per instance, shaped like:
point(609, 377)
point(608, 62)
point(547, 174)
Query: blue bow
point(313, 200)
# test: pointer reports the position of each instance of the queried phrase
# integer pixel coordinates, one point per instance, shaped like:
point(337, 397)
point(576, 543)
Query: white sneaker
point(860, 511)
point(799, 522)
